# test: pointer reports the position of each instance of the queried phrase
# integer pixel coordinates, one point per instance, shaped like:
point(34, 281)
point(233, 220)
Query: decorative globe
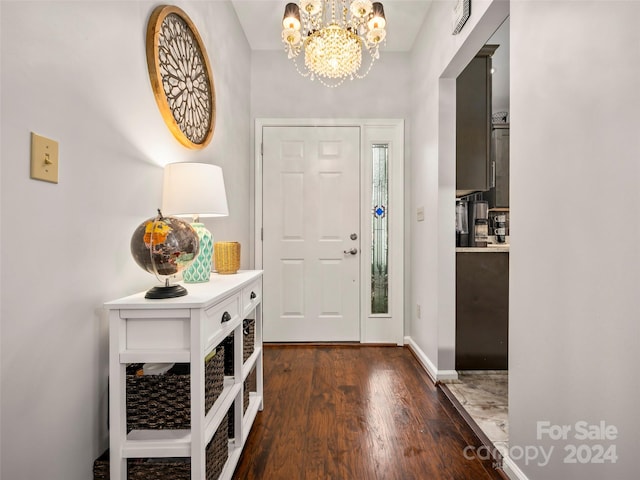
point(165, 246)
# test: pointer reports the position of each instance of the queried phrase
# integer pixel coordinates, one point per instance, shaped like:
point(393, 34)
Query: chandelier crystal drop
point(333, 34)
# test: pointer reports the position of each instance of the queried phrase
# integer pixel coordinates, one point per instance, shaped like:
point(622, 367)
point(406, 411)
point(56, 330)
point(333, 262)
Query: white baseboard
point(435, 374)
point(512, 470)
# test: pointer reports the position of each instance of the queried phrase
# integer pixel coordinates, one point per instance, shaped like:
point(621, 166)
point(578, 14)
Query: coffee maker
point(478, 223)
point(462, 224)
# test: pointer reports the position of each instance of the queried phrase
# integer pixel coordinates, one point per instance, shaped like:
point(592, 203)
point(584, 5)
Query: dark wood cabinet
point(482, 310)
point(498, 196)
point(473, 124)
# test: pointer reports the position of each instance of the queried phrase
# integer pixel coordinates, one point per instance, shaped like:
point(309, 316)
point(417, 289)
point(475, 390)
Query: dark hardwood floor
point(355, 413)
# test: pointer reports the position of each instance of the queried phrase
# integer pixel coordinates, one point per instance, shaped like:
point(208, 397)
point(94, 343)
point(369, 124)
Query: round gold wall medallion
point(181, 76)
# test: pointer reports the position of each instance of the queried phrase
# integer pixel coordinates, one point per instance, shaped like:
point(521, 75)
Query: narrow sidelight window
point(380, 231)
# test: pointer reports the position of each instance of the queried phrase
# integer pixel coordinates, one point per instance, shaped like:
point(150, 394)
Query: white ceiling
point(261, 21)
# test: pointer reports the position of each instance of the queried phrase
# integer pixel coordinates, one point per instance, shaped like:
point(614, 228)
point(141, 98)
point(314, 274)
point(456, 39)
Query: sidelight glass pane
point(380, 231)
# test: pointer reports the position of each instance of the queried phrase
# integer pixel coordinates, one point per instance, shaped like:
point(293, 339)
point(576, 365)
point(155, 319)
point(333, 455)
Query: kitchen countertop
point(491, 248)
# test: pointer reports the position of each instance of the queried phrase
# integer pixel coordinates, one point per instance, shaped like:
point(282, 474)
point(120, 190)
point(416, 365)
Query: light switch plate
point(421, 214)
point(44, 158)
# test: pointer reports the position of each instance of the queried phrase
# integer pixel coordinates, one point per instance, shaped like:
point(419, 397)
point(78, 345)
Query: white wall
point(76, 72)
point(575, 168)
point(279, 91)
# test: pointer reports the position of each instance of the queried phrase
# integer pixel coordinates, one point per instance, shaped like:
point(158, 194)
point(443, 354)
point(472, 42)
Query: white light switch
point(421, 214)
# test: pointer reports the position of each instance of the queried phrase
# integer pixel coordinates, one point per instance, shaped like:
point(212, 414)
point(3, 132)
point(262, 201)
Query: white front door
point(311, 233)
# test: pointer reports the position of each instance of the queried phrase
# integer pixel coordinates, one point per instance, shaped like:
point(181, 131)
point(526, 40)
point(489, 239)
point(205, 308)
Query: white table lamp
point(195, 190)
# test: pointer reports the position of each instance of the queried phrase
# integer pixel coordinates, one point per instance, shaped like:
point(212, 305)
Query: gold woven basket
point(226, 257)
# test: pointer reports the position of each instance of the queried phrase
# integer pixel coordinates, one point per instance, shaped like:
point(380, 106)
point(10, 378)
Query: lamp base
point(166, 291)
point(200, 269)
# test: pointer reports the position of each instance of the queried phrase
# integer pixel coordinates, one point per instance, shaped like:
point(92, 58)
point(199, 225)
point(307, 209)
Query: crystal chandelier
point(332, 34)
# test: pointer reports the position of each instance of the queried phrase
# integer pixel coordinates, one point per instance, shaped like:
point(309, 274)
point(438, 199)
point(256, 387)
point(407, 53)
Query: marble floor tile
point(484, 395)
point(492, 420)
point(476, 394)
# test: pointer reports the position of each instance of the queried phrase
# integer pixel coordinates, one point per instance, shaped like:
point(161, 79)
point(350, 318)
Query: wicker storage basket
point(248, 341)
point(172, 468)
point(226, 257)
point(162, 402)
point(146, 468)
point(213, 377)
point(158, 469)
point(250, 385)
point(218, 450)
point(101, 467)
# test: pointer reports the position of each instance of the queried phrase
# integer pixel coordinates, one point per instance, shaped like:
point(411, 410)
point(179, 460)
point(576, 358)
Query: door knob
point(353, 251)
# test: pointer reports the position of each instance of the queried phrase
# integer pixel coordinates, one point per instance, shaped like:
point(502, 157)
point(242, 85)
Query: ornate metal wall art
point(181, 76)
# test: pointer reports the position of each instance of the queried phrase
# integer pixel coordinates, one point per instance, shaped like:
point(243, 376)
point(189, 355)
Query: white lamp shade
point(194, 189)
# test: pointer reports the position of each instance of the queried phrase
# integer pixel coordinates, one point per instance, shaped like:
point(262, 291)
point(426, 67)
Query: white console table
point(185, 330)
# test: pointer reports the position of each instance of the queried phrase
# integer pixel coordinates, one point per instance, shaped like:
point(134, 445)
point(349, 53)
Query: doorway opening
point(481, 268)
